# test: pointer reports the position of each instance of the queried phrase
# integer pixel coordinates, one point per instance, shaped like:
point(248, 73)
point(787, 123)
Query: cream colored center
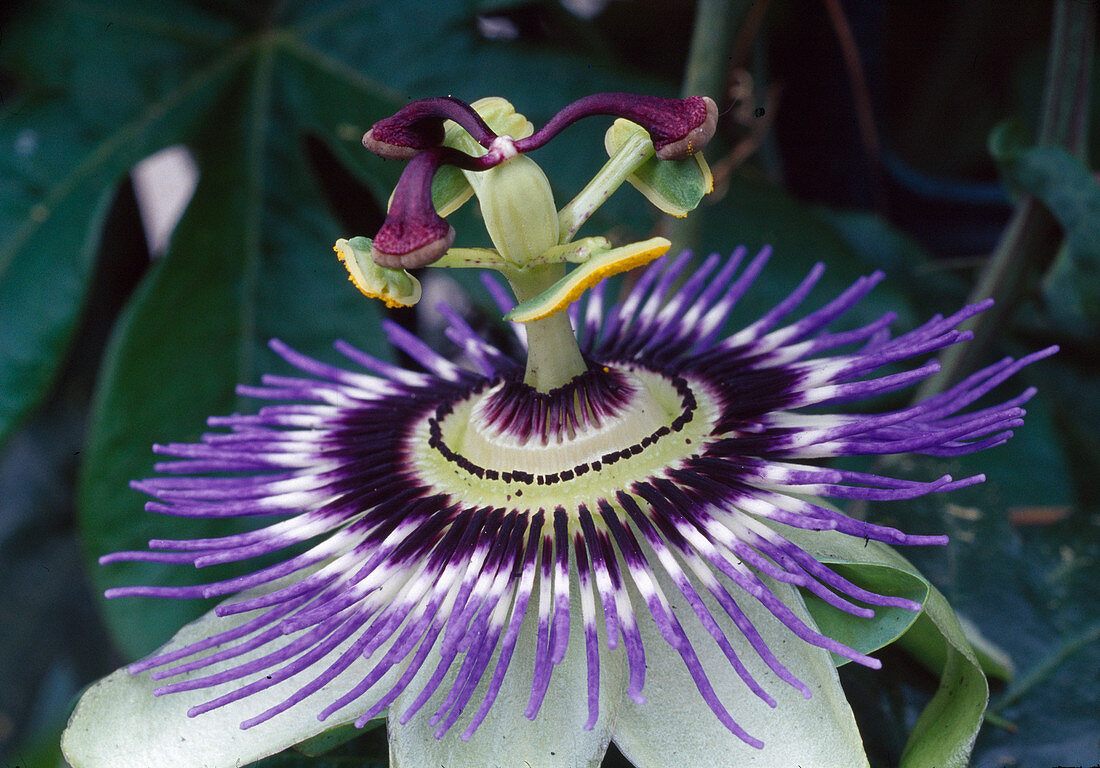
point(460, 453)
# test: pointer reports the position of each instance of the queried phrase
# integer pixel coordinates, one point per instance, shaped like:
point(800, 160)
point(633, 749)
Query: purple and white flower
point(541, 570)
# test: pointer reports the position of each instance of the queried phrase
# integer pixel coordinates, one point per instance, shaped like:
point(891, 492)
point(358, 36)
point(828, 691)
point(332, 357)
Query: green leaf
point(108, 83)
point(875, 242)
point(242, 88)
point(60, 162)
point(1071, 286)
point(1070, 191)
point(756, 214)
point(946, 730)
point(239, 272)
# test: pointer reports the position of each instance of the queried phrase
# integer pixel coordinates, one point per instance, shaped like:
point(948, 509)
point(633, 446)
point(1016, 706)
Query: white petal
point(676, 727)
point(555, 739)
point(119, 723)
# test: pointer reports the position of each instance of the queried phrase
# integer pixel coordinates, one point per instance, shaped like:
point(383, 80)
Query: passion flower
point(561, 535)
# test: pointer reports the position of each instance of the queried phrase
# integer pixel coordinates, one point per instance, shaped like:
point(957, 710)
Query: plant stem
point(608, 179)
point(1030, 239)
point(705, 75)
point(708, 58)
point(553, 357)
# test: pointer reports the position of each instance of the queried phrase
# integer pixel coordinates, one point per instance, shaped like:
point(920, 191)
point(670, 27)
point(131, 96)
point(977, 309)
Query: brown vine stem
point(1032, 236)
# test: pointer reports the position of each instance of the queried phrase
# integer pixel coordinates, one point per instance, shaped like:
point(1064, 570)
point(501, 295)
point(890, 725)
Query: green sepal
point(945, 732)
point(674, 186)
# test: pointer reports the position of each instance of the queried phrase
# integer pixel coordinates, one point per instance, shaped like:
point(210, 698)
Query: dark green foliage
point(264, 95)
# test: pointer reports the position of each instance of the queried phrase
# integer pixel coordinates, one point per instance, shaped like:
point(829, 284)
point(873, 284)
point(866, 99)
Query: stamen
point(597, 269)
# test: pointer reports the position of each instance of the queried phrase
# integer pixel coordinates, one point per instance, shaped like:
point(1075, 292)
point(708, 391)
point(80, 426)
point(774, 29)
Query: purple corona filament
point(447, 583)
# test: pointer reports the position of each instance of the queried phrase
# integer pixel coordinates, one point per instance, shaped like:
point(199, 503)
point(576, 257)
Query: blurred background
point(946, 143)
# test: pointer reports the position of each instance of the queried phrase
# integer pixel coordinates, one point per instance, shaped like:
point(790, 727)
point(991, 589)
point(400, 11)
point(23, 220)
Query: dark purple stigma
point(413, 235)
point(678, 127)
point(419, 126)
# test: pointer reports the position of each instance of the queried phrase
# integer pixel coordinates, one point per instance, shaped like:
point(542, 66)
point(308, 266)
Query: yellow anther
point(395, 287)
point(674, 186)
point(600, 266)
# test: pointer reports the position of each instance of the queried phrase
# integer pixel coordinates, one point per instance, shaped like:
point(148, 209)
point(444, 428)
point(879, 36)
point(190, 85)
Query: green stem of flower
point(553, 357)
point(705, 74)
point(708, 58)
point(596, 192)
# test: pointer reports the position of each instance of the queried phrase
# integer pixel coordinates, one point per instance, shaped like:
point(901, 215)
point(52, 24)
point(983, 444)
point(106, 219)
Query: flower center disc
point(509, 446)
